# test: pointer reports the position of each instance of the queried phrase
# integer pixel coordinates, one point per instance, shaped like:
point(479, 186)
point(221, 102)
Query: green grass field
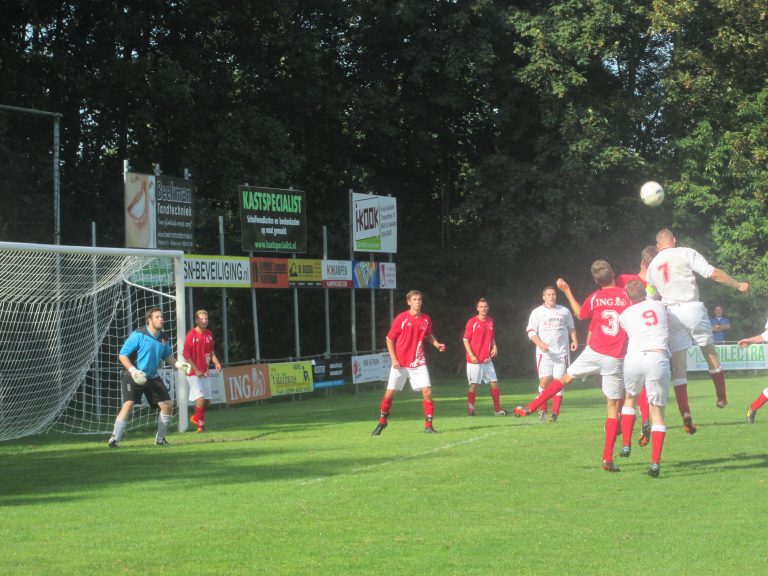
point(302, 488)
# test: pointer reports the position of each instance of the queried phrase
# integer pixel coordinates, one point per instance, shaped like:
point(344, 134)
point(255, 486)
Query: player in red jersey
point(480, 347)
point(405, 343)
point(603, 355)
point(672, 273)
point(198, 352)
point(646, 367)
point(648, 254)
point(763, 398)
point(549, 327)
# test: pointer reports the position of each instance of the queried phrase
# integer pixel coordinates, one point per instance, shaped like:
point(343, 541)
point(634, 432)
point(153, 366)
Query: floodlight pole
point(56, 164)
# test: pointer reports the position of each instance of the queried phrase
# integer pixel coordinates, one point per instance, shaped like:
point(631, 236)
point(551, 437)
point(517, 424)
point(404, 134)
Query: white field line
point(363, 469)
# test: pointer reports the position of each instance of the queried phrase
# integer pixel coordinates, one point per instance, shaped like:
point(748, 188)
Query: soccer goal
point(65, 313)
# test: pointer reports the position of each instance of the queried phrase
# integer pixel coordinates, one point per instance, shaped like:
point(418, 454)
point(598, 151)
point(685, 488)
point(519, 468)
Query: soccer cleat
point(161, 442)
point(199, 423)
point(500, 412)
point(609, 466)
point(625, 451)
point(113, 443)
point(653, 470)
point(542, 416)
point(553, 418)
point(688, 425)
point(645, 434)
point(751, 415)
point(430, 430)
point(520, 411)
point(379, 429)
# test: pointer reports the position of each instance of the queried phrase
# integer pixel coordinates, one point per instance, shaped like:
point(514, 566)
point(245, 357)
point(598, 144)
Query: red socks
point(657, 442)
point(428, 409)
point(495, 398)
point(718, 377)
point(642, 404)
point(386, 404)
point(471, 401)
point(762, 399)
point(556, 401)
point(611, 427)
point(681, 395)
point(627, 424)
point(553, 388)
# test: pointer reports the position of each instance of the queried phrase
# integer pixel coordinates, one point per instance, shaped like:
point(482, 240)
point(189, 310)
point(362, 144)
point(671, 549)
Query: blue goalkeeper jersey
point(146, 351)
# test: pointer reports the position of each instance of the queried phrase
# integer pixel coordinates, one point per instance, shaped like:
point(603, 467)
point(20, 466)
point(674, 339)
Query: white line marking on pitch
point(361, 469)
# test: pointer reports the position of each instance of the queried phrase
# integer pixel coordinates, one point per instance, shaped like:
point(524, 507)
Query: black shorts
point(154, 389)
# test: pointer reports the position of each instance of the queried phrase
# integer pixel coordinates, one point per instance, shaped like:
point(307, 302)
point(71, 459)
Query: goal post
point(66, 311)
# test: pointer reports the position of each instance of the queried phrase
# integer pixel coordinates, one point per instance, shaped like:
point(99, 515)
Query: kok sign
point(374, 223)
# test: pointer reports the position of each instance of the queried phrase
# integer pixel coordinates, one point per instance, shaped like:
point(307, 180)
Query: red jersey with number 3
point(408, 333)
point(602, 309)
point(198, 347)
point(479, 334)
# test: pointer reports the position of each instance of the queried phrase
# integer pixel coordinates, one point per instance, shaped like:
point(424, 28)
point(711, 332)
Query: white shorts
point(688, 325)
point(419, 378)
point(611, 369)
point(481, 373)
point(649, 369)
point(199, 387)
point(549, 364)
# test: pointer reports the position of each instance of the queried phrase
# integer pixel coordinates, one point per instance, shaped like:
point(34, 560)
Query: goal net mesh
point(65, 316)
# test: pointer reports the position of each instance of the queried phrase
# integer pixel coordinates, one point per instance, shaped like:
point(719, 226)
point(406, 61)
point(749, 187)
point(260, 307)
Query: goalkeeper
point(140, 356)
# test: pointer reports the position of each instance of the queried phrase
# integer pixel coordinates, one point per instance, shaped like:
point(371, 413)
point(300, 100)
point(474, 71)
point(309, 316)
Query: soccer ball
point(652, 194)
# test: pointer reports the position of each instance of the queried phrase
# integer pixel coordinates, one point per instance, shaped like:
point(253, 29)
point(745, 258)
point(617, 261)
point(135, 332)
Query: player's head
point(154, 318)
point(648, 254)
point(602, 272)
point(635, 289)
point(201, 318)
point(665, 239)
point(414, 299)
point(549, 296)
point(483, 307)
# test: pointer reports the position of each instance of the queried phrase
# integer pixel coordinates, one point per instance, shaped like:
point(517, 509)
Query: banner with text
point(374, 223)
point(305, 273)
point(290, 378)
point(272, 220)
point(337, 274)
point(217, 271)
point(269, 272)
point(328, 373)
point(174, 213)
point(371, 368)
point(731, 357)
point(218, 396)
point(365, 274)
point(387, 275)
point(246, 383)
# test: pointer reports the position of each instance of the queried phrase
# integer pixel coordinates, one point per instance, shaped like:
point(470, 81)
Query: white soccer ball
point(652, 194)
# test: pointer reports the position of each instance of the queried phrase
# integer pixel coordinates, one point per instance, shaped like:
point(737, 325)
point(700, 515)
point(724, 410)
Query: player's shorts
point(688, 326)
point(549, 364)
point(483, 373)
point(611, 369)
point(649, 369)
point(154, 389)
point(199, 387)
point(419, 378)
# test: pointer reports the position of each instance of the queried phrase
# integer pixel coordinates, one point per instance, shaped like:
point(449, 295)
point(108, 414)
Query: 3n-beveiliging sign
point(272, 219)
point(374, 223)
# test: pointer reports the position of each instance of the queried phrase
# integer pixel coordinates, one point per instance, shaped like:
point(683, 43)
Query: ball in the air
point(652, 194)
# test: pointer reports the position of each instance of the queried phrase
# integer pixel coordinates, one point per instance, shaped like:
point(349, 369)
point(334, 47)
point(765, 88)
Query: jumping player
point(549, 327)
point(603, 355)
point(480, 346)
point(405, 343)
point(671, 272)
point(646, 366)
point(198, 352)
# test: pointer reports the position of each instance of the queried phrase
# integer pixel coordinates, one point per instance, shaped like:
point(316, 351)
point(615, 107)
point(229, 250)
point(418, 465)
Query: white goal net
point(65, 313)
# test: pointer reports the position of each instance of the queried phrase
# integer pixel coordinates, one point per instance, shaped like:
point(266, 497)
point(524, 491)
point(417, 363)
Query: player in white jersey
point(672, 273)
point(646, 367)
point(763, 398)
point(549, 327)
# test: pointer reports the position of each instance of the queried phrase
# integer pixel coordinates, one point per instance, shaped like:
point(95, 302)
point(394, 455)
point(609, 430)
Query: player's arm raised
point(723, 277)
point(566, 289)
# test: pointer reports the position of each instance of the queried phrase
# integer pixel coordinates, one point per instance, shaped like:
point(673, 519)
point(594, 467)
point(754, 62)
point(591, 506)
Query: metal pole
point(225, 319)
point(391, 298)
point(297, 340)
point(327, 299)
point(255, 316)
point(373, 312)
point(56, 180)
point(352, 261)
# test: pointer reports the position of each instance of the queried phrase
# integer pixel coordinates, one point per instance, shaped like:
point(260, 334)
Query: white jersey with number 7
point(671, 272)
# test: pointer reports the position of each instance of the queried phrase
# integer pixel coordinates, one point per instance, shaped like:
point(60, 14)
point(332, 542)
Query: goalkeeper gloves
point(186, 366)
point(138, 376)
